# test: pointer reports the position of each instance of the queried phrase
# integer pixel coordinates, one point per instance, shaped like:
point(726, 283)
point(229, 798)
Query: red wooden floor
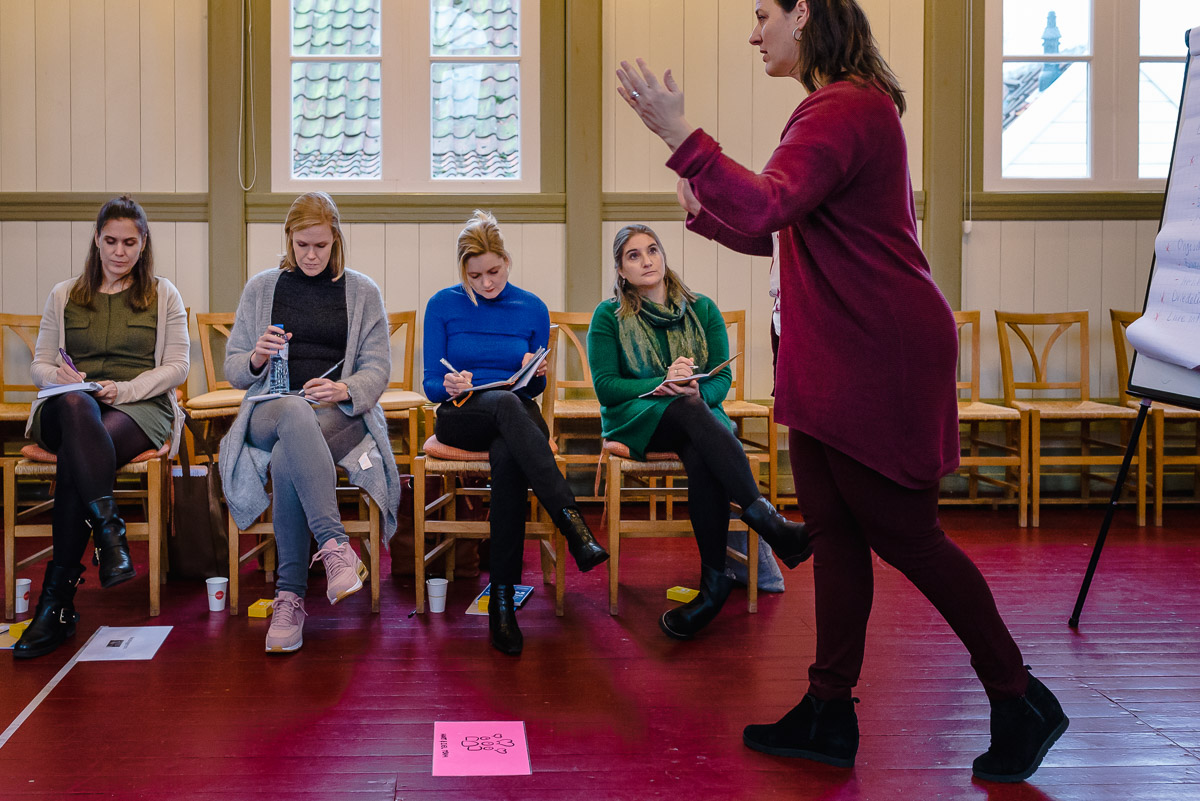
point(616, 711)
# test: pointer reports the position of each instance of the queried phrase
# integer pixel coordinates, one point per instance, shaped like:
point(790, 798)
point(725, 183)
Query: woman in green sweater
point(654, 328)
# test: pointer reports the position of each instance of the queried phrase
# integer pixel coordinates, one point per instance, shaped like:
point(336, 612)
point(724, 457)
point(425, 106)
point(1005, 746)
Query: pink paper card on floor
point(480, 748)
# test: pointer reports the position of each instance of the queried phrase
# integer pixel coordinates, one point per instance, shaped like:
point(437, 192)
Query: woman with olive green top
point(656, 328)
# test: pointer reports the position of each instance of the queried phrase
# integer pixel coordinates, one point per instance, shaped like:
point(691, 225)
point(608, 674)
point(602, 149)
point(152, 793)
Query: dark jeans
point(91, 441)
point(717, 470)
point(511, 429)
point(851, 510)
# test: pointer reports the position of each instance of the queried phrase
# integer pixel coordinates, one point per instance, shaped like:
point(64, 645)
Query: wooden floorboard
point(614, 710)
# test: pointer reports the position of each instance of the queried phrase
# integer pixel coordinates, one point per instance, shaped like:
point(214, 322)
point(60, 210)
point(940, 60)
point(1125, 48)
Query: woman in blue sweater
point(487, 329)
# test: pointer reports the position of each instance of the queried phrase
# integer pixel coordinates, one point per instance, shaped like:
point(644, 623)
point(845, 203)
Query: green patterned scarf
point(685, 337)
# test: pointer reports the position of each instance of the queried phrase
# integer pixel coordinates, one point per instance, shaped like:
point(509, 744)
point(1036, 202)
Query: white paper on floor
point(124, 643)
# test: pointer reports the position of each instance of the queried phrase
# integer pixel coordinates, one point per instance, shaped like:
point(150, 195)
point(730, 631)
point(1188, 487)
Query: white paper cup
point(24, 588)
point(218, 589)
point(435, 588)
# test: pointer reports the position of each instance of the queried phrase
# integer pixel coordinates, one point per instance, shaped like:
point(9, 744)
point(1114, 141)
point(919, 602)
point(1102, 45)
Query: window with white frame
point(405, 96)
point(1082, 95)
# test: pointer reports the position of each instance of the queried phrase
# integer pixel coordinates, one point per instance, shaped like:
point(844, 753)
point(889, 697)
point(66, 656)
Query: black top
point(313, 311)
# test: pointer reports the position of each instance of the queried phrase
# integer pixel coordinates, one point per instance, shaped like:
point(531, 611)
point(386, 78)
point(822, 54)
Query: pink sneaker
point(344, 571)
point(286, 633)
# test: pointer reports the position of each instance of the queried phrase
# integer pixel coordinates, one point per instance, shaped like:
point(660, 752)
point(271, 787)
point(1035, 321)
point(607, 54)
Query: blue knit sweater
point(488, 340)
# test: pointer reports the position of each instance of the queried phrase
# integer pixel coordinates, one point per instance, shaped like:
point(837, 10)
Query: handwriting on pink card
point(480, 748)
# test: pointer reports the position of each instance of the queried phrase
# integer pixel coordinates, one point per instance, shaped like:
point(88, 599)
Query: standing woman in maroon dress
point(866, 375)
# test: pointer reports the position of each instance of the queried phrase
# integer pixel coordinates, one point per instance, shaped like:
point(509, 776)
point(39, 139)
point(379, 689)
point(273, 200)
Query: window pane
point(335, 27)
point(1163, 23)
point(474, 27)
point(475, 127)
point(1045, 121)
point(1159, 90)
point(1047, 26)
point(335, 120)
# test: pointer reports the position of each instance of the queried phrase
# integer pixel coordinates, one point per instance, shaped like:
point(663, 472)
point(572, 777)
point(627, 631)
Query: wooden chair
point(667, 466)
point(1162, 415)
point(979, 451)
point(151, 467)
point(14, 413)
point(399, 401)
point(576, 410)
point(740, 410)
point(1072, 406)
point(220, 401)
point(453, 464)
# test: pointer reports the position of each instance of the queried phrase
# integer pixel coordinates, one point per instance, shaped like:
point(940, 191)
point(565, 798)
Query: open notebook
point(694, 377)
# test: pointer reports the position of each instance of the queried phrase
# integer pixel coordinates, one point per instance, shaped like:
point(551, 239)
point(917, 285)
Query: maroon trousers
point(851, 510)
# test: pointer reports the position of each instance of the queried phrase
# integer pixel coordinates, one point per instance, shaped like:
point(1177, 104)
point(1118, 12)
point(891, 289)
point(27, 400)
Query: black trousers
point(511, 429)
point(717, 471)
point(91, 441)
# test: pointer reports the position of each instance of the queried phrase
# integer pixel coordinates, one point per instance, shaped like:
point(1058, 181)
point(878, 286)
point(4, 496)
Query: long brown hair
point(836, 45)
point(480, 235)
point(627, 296)
point(314, 208)
point(141, 276)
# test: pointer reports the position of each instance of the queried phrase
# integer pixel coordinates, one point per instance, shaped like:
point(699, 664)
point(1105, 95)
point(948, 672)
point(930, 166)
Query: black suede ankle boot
point(823, 731)
point(54, 619)
point(683, 622)
point(503, 632)
point(108, 535)
point(1023, 729)
point(788, 540)
point(580, 542)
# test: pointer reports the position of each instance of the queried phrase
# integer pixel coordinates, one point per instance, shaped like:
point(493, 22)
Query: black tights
point(717, 471)
point(91, 440)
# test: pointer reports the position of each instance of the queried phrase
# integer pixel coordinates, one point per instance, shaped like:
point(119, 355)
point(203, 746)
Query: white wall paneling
point(18, 97)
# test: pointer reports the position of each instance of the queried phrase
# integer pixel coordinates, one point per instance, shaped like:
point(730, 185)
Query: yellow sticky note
point(483, 603)
point(15, 630)
point(260, 608)
point(681, 594)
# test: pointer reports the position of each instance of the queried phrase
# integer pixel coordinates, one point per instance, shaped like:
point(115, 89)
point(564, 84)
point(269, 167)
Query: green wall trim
point(1066, 205)
point(83, 206)
point(417, 207)
point(655, 206)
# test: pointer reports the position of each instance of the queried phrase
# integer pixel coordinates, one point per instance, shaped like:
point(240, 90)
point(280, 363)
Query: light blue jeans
point(305, 442)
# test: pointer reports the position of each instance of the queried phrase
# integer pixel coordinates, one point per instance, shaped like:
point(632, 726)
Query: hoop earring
point(796, 33)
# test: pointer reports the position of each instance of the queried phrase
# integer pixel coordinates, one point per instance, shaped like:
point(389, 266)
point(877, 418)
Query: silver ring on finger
point(634, 94)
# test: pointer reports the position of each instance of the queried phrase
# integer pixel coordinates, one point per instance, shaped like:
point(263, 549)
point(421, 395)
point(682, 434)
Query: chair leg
point(373, 516)
point(1141, 478)
point(751, 571)
point(235, 547)
point(1023, 470)
point(613, 507)
point(10, 541)
point(418, 467)
point(154, 530)
point(773, 457)
point(560, 556)
point(1035, 465)
point(1160, 428)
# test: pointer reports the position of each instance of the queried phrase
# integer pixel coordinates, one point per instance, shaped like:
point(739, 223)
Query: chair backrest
point(572, 329)
point(736, 320)
point(1121, 321)
point(1023, 324)
point(25, 326)
point(404, 322)
point(550, 394)
point(969, 319)
point(219, 323)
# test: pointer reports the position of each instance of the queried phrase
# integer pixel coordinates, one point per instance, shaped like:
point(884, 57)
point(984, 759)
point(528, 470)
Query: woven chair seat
point(398, 400)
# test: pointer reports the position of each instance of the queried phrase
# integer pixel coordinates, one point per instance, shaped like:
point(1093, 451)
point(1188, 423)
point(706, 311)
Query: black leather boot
point(503, 632)
point(683, 622)
point(580, 542)
point(54, 619)
point(108, 535)
point(1023, 729)
point(788, 540)
point(823, 731)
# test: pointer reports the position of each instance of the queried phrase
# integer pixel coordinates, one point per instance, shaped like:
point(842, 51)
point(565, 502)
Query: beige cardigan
point(172, 353)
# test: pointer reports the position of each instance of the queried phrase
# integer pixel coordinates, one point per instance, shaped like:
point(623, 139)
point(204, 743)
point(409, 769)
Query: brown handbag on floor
point(198, 544)
point(403, 544)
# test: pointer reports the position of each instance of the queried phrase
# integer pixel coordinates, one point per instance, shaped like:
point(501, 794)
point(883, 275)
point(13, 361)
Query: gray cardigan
point(370, 464)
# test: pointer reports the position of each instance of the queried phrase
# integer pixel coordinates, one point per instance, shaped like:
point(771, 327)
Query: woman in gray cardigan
point(335, 325)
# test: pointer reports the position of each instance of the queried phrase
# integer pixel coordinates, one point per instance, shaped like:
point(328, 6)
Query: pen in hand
point(450, 366)
point(67, 360)
point(327, 373)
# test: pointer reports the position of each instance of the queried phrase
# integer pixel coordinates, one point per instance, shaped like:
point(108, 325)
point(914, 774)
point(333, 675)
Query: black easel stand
point(1108, 514)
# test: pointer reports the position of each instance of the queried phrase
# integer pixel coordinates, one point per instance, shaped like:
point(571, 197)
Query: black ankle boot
point(823, 731)
point(788, 540)
point(108, 535)
point(1023, 729)
point(683, 622)
point(580, 542)
point(503, 632)
point(54, 619)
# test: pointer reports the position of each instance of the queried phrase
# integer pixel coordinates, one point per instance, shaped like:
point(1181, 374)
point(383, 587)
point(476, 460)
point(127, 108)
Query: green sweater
point(624, 416)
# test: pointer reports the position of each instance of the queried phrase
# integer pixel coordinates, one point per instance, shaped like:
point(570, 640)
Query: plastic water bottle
point(279, 380)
